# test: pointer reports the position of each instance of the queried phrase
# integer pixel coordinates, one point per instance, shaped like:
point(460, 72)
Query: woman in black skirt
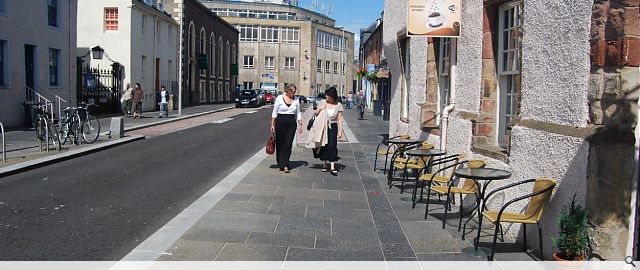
point(329, 152)
point(286, 112)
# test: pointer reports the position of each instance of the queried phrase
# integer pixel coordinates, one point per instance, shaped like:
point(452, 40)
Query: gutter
point(453, 74)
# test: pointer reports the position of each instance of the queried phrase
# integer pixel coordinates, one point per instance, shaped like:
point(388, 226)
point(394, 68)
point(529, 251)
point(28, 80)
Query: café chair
point(435, 178)
point(386, 151)
point(538, 198)
point(453, 187)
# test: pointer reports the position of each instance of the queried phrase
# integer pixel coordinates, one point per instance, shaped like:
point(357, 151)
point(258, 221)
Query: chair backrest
point(538, 202)
point(405, 136)
point(469, 184)
point(426, 146)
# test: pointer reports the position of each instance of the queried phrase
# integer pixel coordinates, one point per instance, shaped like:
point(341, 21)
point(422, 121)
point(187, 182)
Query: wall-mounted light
point(97, 52)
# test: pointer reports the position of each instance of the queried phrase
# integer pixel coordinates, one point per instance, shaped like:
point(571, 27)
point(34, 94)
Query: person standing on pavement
point(333, 108)
point(285, 118)
point(163, 96)
point(127, 97)
point(138, 97)
point(349, 101)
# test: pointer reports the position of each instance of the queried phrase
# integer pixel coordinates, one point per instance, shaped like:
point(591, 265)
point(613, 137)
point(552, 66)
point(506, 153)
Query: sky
point(352, 14)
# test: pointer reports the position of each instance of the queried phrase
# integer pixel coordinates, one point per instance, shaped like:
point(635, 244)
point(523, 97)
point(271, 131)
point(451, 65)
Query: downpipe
point(453, 74)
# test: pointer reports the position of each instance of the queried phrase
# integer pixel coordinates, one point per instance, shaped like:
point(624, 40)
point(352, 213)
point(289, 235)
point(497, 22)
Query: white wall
point(25, 22)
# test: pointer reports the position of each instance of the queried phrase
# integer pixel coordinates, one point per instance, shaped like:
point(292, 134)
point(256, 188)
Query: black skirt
point(329, 152)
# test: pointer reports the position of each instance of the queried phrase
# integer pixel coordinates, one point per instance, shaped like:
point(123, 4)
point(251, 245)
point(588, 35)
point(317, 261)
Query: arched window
point(192, 41)
point(220, 56)
point(203, 47)
point(212, 55)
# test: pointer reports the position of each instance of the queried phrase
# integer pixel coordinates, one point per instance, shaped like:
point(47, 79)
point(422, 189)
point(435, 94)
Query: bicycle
point(78, 122)
point(46, 130)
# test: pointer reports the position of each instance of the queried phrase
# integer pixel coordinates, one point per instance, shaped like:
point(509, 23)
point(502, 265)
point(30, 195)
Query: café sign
point(434, 18)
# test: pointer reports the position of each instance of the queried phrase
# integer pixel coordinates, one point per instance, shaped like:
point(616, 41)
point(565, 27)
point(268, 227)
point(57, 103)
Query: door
point(29, 66)
point(157, 82)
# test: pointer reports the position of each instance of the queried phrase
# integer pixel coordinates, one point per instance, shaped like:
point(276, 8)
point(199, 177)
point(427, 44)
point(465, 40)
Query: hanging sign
point(434, 18)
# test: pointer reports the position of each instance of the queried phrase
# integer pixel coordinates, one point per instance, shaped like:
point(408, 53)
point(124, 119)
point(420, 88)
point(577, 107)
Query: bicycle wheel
point(76, 129)
point(53, 135)
point(63, 134)
point(40, 130)
point(90, 129)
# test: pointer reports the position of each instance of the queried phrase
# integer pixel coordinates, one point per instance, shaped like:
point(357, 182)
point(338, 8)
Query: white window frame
point(248, 61)
point(335, 67)
point(290, 35)
point(4, 55)
point(344, 65)
point(319, 68)
point(107, 19)
point(249, 33)
point(54, 78)
point(444, 52)
point(507, 75)
point(269, 62)
point(336, 42)
point(289, 63)
point(327, 40)
point(203, 49)
point(212, 55)
point(203, 93)
point(247, 84)
point(269, 34)
point(320, 39)
point(327, 66)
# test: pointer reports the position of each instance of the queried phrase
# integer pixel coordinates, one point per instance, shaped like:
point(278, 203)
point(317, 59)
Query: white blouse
point(280, 107)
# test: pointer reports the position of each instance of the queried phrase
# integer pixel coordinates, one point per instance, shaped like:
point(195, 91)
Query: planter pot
point(566, 264)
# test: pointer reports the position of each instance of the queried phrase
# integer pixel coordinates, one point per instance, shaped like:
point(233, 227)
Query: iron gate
point(100, 86)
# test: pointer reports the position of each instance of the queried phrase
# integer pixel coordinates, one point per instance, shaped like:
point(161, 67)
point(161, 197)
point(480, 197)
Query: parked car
point(318, 99)
point(247, 98)
point(302, 99)
point(261, 99)
point(269, 98)
point(311, 99)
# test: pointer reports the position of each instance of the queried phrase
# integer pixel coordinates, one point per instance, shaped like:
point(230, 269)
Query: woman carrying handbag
point(331, 110)
point(285, 119)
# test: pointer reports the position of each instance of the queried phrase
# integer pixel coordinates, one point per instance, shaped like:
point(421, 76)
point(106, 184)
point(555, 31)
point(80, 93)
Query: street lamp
point(343, 44)
point(98, 52)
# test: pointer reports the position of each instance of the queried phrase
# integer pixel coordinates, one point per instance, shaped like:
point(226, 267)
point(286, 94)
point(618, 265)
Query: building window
point(343, 71)
point(289, 63)
point(327, 66)
point(344, 45)
point(335, 67)
point(443, 72)
point(290, 35)
point(111, 19)
point(247, 85)
point(269, 34)
point(509, 42)
point(319, 68)
point(143, 65)
point(212, 55)
point(220, 58)
point(227, 60)
point(269, 62)
point(336, 43)
point(248, 61)
point(202, 50)
point(3, 6)
point(54, 64)
point(248, 33)
point(52, 8)
point(320, 39)
point(159, 31)
point(144, 24)
point(4, 63)
point(327, 40)
point(405, 69)
point(203, 91)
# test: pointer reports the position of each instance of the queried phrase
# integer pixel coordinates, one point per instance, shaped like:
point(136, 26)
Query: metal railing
point(59, 101)
point(34, 96)
point(4, 144)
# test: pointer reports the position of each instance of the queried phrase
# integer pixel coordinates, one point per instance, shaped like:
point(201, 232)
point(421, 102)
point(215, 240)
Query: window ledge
point(492, 151)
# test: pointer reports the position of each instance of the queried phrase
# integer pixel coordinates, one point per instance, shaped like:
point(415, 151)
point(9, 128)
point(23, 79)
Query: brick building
point(377, 91)
point(540, 88)
point(210, 49)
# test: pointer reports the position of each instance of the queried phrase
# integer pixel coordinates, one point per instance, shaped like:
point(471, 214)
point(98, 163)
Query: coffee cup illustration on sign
point(452, 8)
point(435, 18)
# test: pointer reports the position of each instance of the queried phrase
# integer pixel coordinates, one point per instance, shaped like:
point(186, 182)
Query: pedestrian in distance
point(361, 105)
point(285, 119)
point(349, 101)
point(163, 96)
point(333, 109)
point(127, 98)
point(138, 98)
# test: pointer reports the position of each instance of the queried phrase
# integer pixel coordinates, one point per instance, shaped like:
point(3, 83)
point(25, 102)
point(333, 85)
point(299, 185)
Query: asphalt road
point(101, 206)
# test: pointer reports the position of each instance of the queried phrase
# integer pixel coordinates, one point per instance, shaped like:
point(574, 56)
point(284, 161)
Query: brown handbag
point(271, 145)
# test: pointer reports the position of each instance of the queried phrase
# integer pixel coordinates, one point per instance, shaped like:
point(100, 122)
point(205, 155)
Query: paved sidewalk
point(310, 215)
point(22, 145)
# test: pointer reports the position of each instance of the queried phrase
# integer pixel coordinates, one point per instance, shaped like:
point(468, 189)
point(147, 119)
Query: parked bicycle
point(78, 125)
point(46, 130)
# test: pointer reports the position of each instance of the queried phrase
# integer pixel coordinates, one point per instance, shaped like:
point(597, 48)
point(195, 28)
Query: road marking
point(222, 121)
point(251, 112)
point(159, 242)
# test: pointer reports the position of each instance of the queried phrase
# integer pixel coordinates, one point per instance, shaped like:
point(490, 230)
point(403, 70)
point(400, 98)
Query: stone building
point(376, 90)
point(283, 44)
point(210, 51)
point(139, 35)
point(40, 54)
point(539, 88)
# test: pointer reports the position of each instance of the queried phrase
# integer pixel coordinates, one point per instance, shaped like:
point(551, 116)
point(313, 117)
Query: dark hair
point(138, 85)
point(332, 92)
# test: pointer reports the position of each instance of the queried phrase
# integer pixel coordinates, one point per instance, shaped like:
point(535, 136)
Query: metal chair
point(386, 151)
point(428, 178)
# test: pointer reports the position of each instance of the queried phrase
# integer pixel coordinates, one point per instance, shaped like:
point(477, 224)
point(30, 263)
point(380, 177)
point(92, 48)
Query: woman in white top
point(286, 112)
point(329, 152)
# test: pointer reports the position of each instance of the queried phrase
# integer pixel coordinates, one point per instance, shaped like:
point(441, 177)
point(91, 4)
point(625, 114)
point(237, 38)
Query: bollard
point(117, 127)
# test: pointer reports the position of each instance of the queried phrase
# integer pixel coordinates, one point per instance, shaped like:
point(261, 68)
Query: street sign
point(203, 61)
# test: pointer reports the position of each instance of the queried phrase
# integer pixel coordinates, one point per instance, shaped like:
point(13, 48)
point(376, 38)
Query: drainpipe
point(633, 217)
point(180, 57)
point(453, 72)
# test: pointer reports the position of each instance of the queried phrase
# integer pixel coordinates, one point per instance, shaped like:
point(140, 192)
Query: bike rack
point(4, 144)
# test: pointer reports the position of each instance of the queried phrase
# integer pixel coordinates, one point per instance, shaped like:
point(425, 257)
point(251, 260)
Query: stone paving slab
point(302, 254)
point(245, 252)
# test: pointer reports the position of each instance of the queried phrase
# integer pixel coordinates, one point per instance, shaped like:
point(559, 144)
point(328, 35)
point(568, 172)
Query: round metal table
point(486, 175)
point(403, 141)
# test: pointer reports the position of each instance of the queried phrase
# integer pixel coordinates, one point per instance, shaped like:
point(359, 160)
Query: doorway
point(30, 66)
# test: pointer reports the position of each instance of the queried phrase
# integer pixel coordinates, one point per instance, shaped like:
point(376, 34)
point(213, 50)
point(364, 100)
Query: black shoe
point(334, 172)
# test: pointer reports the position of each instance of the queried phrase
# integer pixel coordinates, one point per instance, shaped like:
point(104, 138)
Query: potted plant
point(362, 72)
point(573, 241)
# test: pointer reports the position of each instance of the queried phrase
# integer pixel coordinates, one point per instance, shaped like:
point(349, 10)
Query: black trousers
point(285, 131)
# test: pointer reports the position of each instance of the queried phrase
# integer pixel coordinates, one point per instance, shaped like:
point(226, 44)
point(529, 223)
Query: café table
point(423, 154)
point(482, 178)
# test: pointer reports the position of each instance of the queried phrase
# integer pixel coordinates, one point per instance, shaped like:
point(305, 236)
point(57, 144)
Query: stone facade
point(205, 35)
point(572, 119)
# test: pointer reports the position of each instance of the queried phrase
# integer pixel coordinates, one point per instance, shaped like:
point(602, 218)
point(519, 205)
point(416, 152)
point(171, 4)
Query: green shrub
point(573, 240)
